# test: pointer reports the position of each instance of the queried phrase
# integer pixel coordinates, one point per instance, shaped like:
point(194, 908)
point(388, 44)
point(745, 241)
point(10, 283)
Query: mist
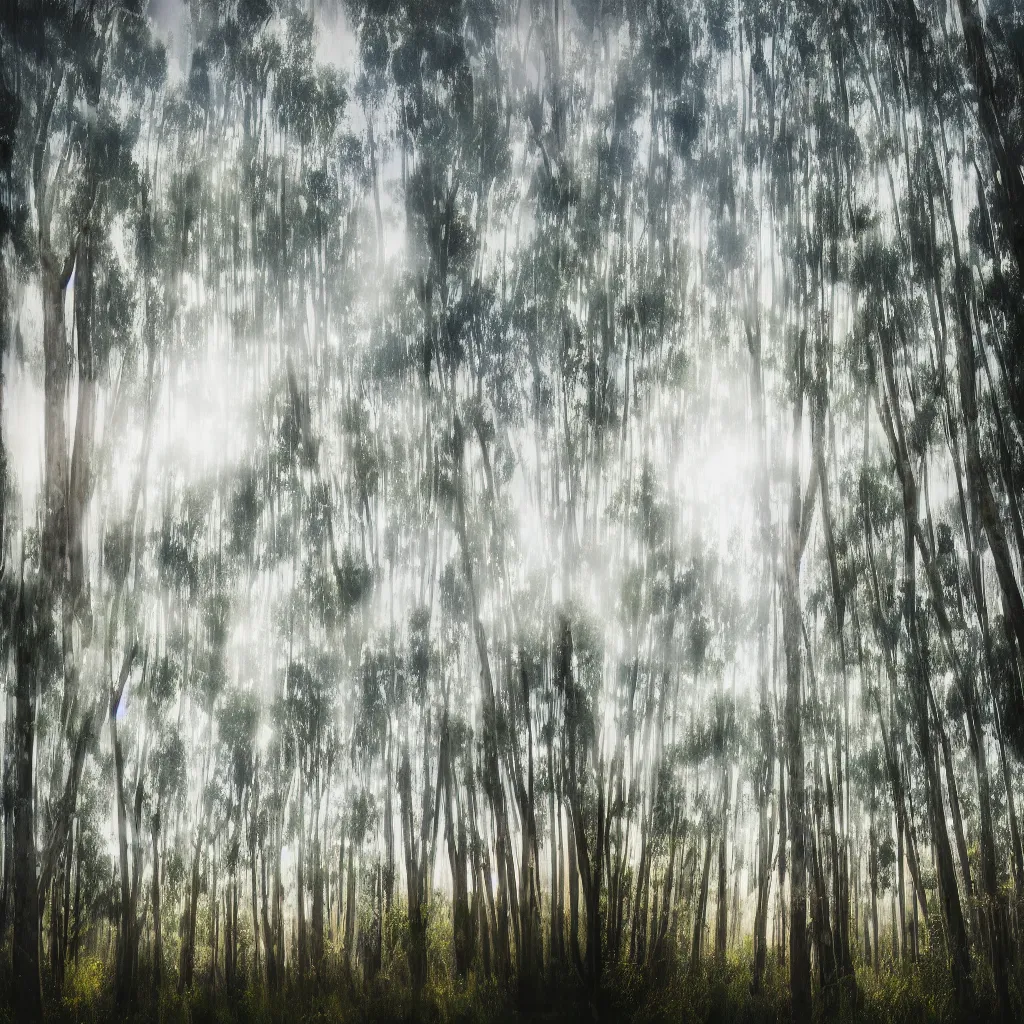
point(511, 511)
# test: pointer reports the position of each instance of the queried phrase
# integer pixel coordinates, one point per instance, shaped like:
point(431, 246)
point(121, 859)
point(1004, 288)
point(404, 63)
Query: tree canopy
point(510, 504)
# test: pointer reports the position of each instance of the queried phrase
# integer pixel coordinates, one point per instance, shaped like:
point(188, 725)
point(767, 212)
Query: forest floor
point(918, 994)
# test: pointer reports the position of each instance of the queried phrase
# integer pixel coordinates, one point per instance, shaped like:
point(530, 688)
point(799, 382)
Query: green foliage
point(354, 579)
point(649, 996)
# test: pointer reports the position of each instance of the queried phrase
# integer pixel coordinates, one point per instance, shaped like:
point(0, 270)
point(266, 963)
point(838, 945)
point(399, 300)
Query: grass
point(917, 993)
point(712, 995)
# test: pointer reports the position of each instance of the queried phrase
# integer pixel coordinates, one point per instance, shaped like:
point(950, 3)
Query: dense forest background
point(512, 507)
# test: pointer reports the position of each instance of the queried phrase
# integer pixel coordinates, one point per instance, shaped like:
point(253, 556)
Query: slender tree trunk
point(555, 946)
point(26, 993)
point(799, 953)
point(257, 973)
point(873, 873)
point(455, 840)
point(350, 905)
point(125, 926)
point(697, 945)
point(158, 946)
point(300, 883)
point(721, 916)
point(11, 746)
point(188, 941)
point(318, 905)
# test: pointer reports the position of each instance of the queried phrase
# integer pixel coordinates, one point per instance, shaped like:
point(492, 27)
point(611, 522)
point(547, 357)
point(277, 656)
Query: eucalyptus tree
point(74, 145)
point(584, 438)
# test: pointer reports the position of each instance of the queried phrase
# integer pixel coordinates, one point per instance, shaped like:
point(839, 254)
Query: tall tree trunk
point(318, 905)
point(158, 946)
point(350, 905)
point(721, 915)
point(556, 951)
point(257, 972)
point(455, 840)
point(188, 938)
point(792, 630)
point(26, 993)
point(10, 771)
point(126, 924)
point(696, 947)
point(300, 883)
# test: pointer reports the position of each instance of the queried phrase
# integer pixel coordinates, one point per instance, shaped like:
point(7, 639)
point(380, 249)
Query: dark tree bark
point(26, 994)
